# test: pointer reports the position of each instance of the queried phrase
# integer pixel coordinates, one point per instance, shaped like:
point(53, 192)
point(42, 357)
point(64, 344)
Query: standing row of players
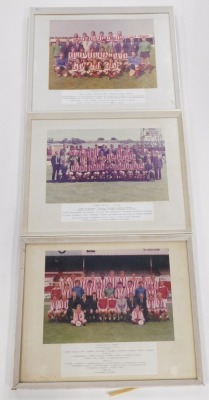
point(81, 57)
point(117, 42)
point(82, 301)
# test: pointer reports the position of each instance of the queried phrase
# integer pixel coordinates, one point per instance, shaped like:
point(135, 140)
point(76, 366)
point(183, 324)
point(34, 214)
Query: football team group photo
point(106, 165)
point(102, 54)
point(84, 291)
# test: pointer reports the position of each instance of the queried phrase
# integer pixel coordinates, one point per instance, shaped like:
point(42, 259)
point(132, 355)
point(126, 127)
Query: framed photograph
point(119, 312)
point(102, 59)
point(95, 173)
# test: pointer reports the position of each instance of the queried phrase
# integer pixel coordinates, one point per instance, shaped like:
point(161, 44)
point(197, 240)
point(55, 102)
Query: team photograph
point(102, 54)
point(90, 296)
point(106, 166)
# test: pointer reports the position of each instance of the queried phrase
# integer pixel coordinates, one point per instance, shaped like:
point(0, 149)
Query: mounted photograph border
point(40, 99)
point(40, 217)
point(30, 329)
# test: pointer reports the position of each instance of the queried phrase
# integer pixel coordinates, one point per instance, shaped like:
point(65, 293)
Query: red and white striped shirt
point(137, 315)
point(83, 168)
point(55, 305)
point(120, 292)
point(109, 38)
point(83, 159)
point(63, 304)
point(102, 55)
point(69, 281)
point(112, 280)
point(92, 167)
point(66, 293)
point(73, 153)
point(160, 304)
point(100, 38)
point(61, 283)
point(151, 291)
point(123, 280)
point(153, 282)
point(95, 66)
point(96, 151)
point(100, 166)
point(78, 67)
point(151, 304)
point(129, 290)
point(83, 56)
point(99, 293)
point(89, 290)
point(103, 283)
point(72, 56)
point(118, 38)
point(74, 167)
point(83, 283)
point(122, 56)
point(92, 54)
point(135, 281)
point(78, 316)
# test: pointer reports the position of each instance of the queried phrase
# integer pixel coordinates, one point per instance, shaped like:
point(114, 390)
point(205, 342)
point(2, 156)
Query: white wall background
point(192, 26)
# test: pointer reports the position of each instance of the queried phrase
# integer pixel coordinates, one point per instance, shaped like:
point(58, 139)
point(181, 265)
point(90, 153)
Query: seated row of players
point(105, 302)
point(101, 64)
point(85, 310)
point(121, 163)
point(106, 171)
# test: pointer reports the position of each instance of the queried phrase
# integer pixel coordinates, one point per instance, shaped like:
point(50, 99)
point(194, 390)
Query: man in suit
point(150, 171)
point(94, 45)
point(131, 303)
point(72, 304)
point(94, 316)
point(85, 306)
point(55, 161)
point(64, 170)
point(119, 46)
point(66, 48)
point(141, 302)
point(132, 46)
point(121, 307)
point(77, 45)
point(157, 162)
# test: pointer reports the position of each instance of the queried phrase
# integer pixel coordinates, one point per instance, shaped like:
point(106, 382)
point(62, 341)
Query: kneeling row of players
point(106, 309)
point(65, 175)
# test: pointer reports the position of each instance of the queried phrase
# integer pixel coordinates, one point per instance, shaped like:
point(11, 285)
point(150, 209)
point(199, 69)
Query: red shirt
point(164, 291)
point(112, 303)
point(103, 303)
point(56, 292)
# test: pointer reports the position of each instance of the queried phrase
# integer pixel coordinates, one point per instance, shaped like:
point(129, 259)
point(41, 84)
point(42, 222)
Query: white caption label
point(127, 96)
point(103, 212)
point(108, 359)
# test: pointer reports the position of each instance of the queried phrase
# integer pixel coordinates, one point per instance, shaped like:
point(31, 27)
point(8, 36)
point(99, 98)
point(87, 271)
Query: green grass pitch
point(93, 192)
point(145, 81)
point(61, 332)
